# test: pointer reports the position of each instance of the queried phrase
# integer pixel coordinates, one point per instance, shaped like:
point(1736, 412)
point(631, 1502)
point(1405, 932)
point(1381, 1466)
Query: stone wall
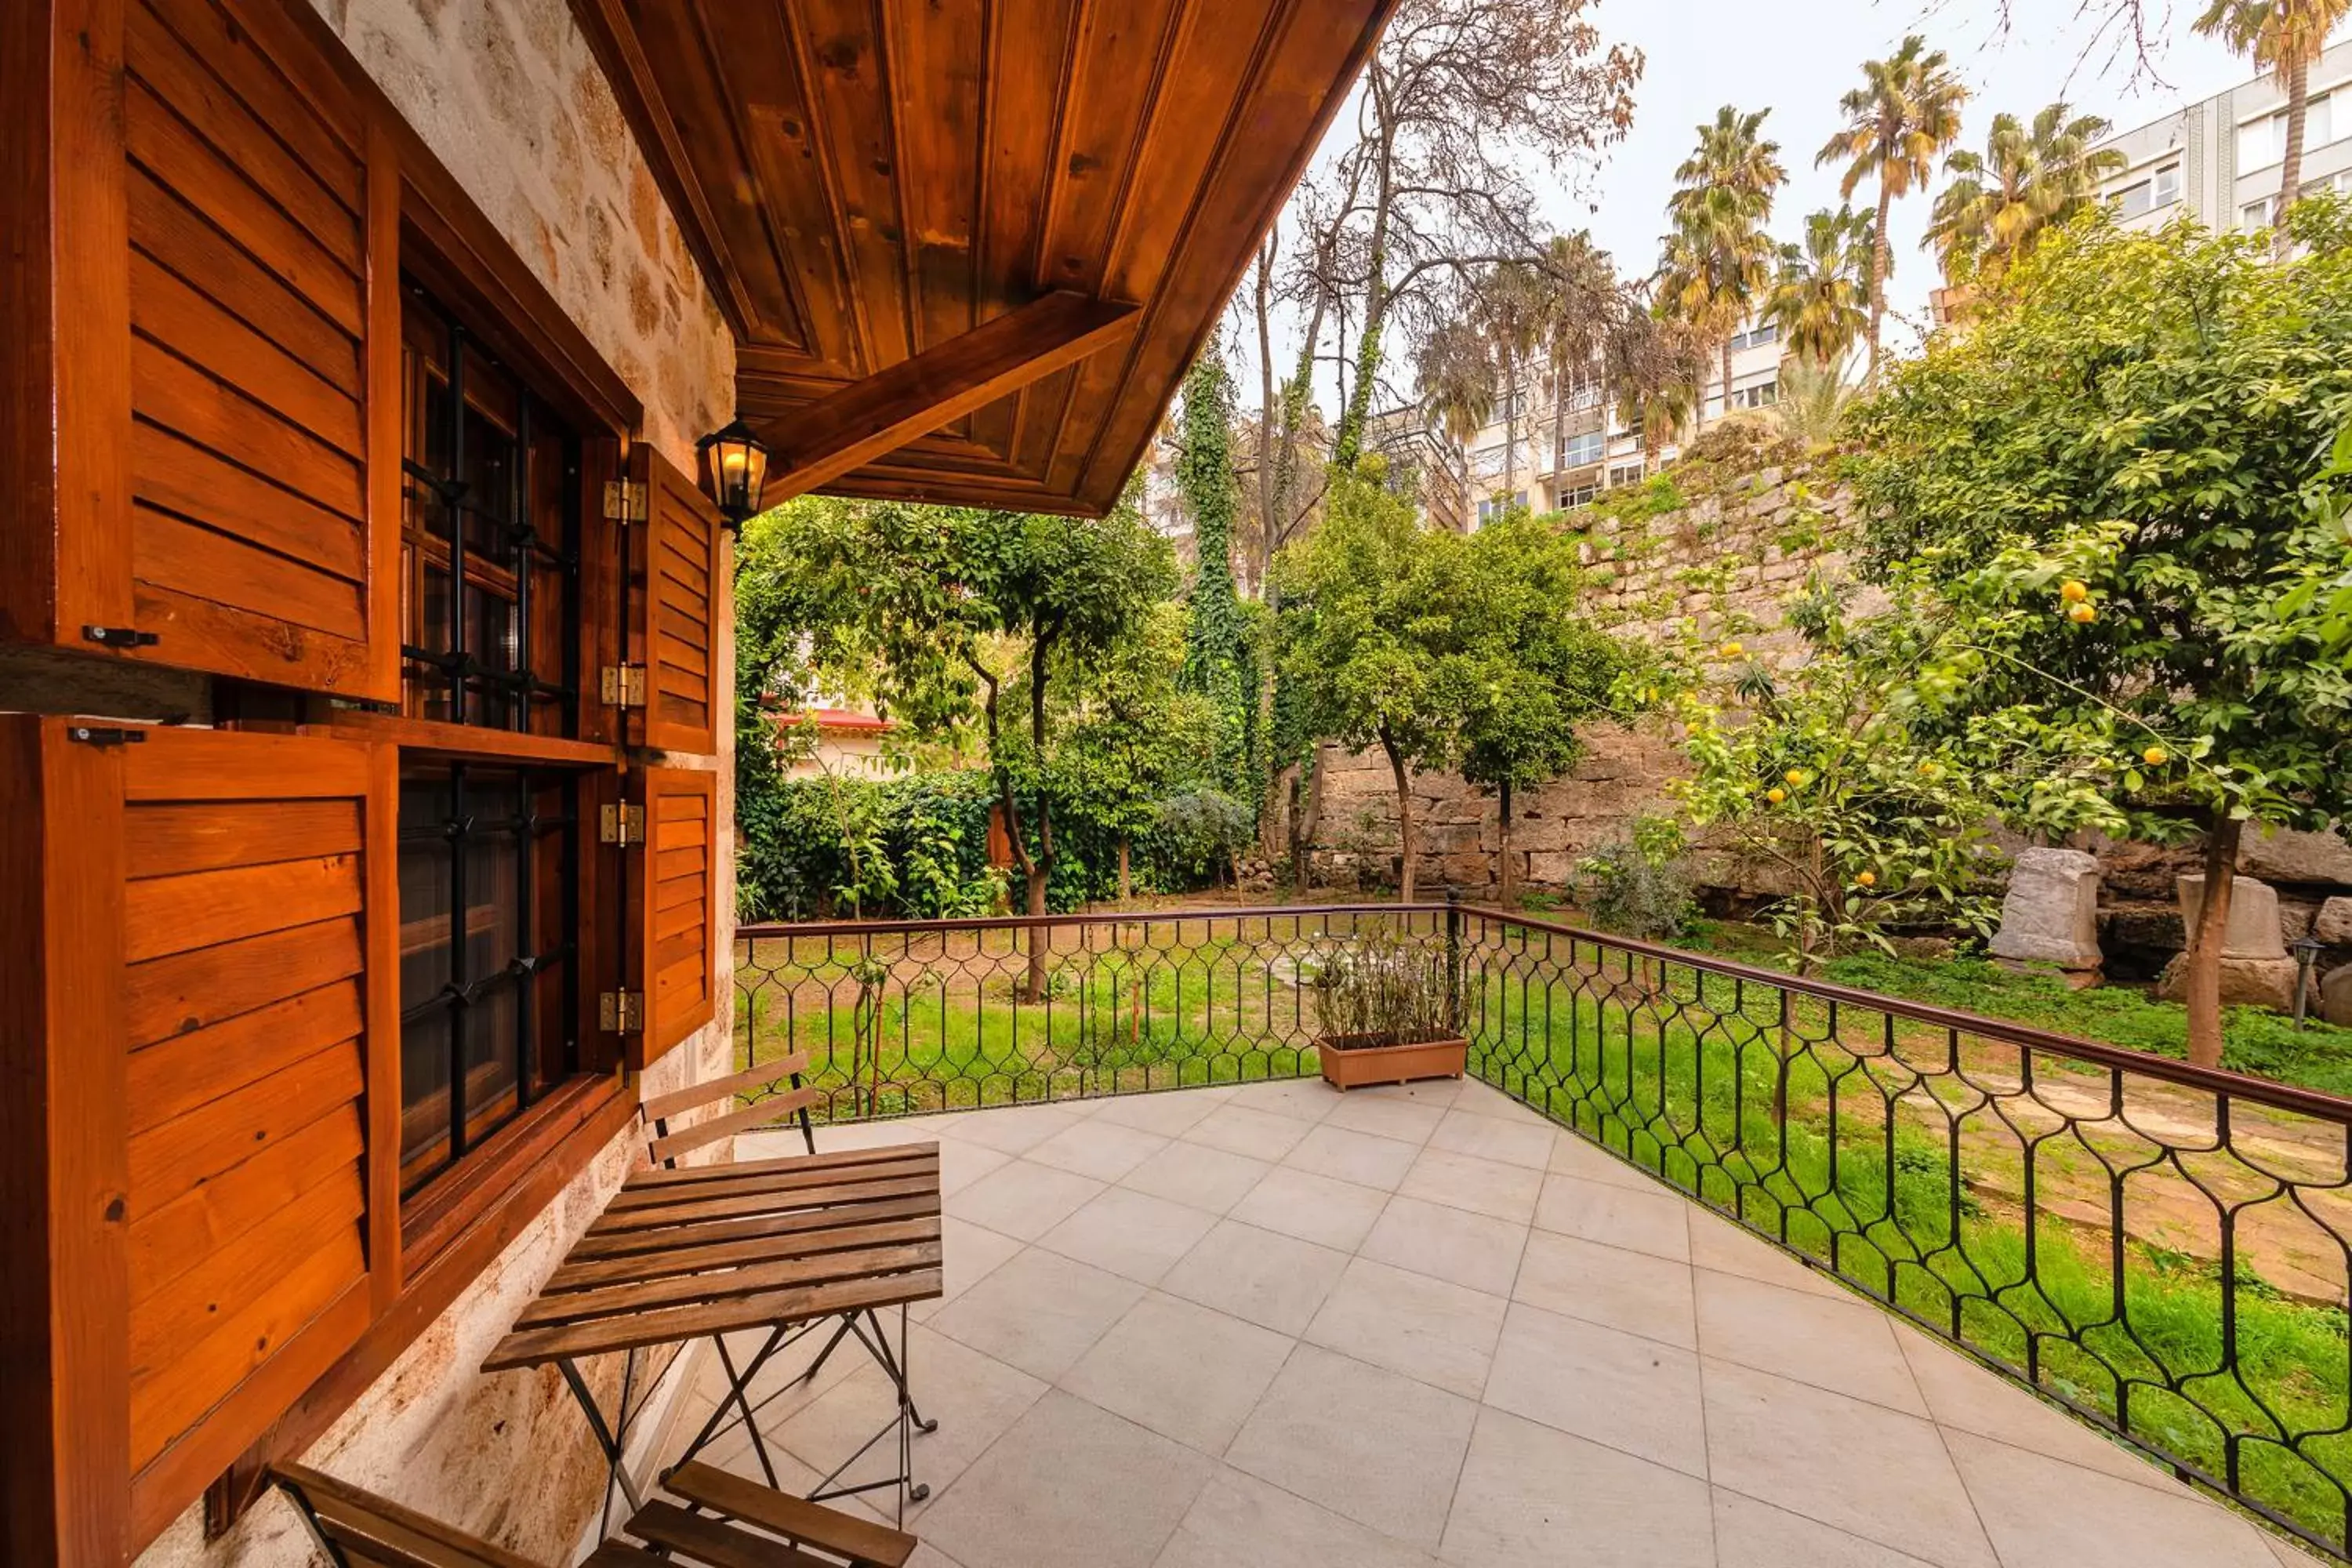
point(1719, 565)
point(508, 95)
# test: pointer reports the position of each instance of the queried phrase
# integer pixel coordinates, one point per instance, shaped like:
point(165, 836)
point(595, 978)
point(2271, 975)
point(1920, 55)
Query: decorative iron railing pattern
point(2164, 1249)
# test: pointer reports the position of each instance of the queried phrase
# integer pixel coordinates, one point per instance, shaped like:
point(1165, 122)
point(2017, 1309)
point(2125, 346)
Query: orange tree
point(2122, 488)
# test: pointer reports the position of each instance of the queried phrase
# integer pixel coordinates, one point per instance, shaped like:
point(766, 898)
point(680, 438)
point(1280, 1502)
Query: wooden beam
point(823, 441)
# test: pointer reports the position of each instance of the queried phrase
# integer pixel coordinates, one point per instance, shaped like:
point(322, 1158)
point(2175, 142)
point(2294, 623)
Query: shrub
point(1640, 886)
point(1198, 834)
point(1398, 986)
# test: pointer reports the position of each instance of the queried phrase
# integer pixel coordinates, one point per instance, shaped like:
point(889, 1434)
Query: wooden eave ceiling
point(865, 180)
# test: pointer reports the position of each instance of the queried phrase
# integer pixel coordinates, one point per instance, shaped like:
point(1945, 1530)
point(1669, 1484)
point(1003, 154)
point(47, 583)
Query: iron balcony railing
point(2160, 1248)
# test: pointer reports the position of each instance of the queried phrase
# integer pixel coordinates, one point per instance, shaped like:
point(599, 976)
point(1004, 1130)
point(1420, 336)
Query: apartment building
point(1516, 465)
point(2217, 159)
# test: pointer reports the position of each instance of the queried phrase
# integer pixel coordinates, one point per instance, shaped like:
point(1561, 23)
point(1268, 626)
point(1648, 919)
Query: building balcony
point(1645, 1289)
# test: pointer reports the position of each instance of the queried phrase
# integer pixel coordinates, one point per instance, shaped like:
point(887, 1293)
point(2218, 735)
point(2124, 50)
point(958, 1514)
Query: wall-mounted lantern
point(734, 471)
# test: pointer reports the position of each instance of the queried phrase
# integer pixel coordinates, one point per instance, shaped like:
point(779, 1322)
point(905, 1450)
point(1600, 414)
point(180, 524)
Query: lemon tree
point(2126, 488)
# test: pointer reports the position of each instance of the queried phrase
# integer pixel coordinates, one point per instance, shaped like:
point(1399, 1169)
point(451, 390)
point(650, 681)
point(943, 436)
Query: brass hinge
point(624, 686)
point(621, 1012)
point(623, 825)
point(625, 500)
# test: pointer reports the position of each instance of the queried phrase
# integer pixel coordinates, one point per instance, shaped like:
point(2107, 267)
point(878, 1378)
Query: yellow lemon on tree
point(2155, 756)
point(1865, 878)
point(1796, 775)
point(2073, 593)
point(1776, 794)
point(2081, 614)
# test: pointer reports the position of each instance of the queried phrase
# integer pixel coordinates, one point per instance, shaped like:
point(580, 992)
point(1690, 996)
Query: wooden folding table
point(785, 1246)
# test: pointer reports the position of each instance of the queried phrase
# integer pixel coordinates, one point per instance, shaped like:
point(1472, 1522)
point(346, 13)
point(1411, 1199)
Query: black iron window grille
point(488, 902)
point(490, 489)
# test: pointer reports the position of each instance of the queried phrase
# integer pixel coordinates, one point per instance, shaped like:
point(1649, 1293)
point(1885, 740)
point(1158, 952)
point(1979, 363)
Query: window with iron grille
point(490, 569)
point(488, 905)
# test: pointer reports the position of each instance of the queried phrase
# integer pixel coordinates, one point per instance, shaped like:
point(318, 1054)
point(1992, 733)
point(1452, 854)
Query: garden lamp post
point(2306, 950)
point(734, 471)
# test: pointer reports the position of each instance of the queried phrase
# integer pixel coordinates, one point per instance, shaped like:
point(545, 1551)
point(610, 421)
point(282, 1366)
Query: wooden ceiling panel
point(872, 181)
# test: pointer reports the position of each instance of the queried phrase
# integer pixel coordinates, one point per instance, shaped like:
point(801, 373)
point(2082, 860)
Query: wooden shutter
point(683, 601)
point(226, 300)
point(245, 965)
point(677, 898)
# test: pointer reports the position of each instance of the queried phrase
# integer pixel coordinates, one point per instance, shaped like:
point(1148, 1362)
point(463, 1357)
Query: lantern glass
point(734, 471)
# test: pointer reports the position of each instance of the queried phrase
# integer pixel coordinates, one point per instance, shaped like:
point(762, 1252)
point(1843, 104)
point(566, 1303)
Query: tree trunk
point(1507, 871)
point(1268, 421)
point(2202, 989)
point(1298, 832)
point(1126, 883)
point(1726, 386)
point(1878, 278)
point(1510, 430)
point(1559, 439)
point(2298, 110)
point(1404, 820)
point(1040, 867)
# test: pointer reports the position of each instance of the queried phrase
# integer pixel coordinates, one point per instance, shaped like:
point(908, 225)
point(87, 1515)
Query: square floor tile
point(1273, 1280)
point(1166, 1114)
point(2046, 1515)
point(1534, 1498)
point(1312, 1208)
point(1484, 1100)
point(1099, 1148)
point(1408, 1120)
point(968, 1253)
point(1472, 1249)
point(1240, 1129)
point(1719, 1245)
point(1424, 1327)
point(1846, 1346)
point(1631, 1292)
point(1024, 1199)
point(1857, 1466)
point(1070, 1486)
point(1751, 1534)
point(962, 1163)
point(1650, 1222)
point(1181, 1370)
point(1239, 1521)
point(1197, 1176)
point(1014, 1129)
point(1962, 1395)
point(973, 1397)
point(1634, 1394)
point(1301, 1098)
point(1130, 1234)
point(1374, 1446)
point(1508, 1141)
point(1572, 1155)
point(1358, 1157)
point(1039, 1312)
point(1467, 1181)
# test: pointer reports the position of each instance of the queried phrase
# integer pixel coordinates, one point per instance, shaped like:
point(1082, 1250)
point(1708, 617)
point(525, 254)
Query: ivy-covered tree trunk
point(1405, 818)
point(1126, 881)
point(1038, 866)
point(1507, 869)
point(2202, 978)
point(1878, 261)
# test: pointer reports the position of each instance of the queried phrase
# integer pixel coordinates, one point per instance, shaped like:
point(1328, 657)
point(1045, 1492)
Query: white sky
point(1797, 57)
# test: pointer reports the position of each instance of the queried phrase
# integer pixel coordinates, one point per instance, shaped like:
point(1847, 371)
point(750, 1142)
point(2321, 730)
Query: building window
point(2168, 185)
point(1763, 395)
point(1756, 337)
point(2261, 142)
point(1494, 507)
point(489, 900)
point(2256, 214)
point(1587, 447)
point(490, 569)
point(1625, 474)
point(1578, 495)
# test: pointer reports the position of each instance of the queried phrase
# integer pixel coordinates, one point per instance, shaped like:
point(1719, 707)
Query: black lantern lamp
point(734, 471)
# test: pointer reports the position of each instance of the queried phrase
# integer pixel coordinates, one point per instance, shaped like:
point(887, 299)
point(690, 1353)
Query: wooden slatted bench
point(718, 1521)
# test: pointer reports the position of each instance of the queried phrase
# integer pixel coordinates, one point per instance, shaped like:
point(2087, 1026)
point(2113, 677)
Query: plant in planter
point(1389, 1006)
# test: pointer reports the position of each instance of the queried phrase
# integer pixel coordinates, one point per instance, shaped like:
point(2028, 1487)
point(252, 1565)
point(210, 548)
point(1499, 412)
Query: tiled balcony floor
point(1274, 1326)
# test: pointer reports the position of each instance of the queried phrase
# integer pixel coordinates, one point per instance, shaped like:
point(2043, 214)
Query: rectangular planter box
point(1350, 1066)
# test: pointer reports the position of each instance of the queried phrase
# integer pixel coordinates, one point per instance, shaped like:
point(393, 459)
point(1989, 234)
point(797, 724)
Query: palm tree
point(1906, 111)
point(2285, 35)
point(1821, 301)
point(1457, 376)
point(1718, 260)
point(1580, 303)
point(1814, 396)
point(2029, 178)
point(1507, 307)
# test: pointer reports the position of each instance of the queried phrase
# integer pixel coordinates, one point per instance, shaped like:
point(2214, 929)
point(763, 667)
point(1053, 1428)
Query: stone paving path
point(1274, 1326)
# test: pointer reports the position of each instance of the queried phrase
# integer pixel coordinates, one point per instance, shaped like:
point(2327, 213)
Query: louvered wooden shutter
point(226, 357)
point(683, 598)
point(242, 967)
point(677, 898)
